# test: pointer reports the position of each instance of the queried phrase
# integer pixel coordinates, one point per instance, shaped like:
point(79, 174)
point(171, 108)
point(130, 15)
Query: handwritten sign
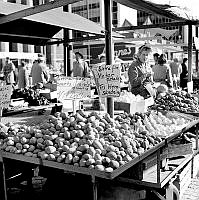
point(73, 88)
point(5, 96)
point(107, 78)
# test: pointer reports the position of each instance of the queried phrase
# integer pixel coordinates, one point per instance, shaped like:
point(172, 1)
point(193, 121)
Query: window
point(12, 47)
point(11, 1)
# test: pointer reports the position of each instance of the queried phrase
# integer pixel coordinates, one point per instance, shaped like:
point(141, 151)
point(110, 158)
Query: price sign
point(73, 88)
point(107, 78)
point(5, 95)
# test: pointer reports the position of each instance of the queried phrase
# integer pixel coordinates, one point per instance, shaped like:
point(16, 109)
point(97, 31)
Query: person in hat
point(80, 67)
point(9, 72)
point(39, 71)
point(140, 73)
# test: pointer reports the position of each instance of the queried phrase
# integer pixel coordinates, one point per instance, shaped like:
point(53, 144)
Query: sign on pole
point(73, 88)
point(5, 95)
point(107, 79)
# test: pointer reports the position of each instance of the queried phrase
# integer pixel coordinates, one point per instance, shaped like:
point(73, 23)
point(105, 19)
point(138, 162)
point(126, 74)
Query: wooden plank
point(36, 9)
point(190, 40)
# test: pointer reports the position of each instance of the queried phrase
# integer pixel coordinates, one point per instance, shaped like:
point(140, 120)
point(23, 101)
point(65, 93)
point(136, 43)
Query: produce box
point(49, 95)
point(122, 106)
point(175, 150)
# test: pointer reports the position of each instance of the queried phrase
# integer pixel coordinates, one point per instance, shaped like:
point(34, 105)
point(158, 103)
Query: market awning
point(39, 28)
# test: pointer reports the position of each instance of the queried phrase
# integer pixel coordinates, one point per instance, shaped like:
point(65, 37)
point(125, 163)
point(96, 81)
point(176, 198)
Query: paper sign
point(196, 41)
point(190, 87)
point(5, 96)
point(73, 88)
point(107, 78)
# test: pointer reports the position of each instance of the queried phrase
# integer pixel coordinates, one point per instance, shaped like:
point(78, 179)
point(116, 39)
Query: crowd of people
point(142, 76)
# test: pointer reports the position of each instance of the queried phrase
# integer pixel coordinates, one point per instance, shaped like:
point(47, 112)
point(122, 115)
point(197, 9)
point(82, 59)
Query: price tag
point(107, 79)
point(5, 95)
point(73, 88)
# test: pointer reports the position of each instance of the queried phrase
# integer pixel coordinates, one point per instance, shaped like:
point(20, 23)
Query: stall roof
point(39, 28)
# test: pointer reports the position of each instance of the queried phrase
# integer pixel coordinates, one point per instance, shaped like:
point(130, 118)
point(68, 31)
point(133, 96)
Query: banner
point(73, 88)
point(5, 96)
point(107, 79)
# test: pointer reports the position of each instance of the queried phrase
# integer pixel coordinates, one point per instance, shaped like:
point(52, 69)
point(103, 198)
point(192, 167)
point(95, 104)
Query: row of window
point(85, 7)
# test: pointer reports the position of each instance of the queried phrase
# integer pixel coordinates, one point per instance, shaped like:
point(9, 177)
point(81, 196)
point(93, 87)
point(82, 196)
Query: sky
point(193, 5)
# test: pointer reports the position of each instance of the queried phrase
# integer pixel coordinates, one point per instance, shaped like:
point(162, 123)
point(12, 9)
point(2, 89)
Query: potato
point(31, 148)
point(127, 158)
point(23, 140)
point(82, 162)
point(48, 143)
point(80, 133)
point(51, 157)
point(18, 151)
point(97, 157)
point(69, 159)
point(65, 147)
point(112, 155)
point(90, 161)
point(72, 150)
point(38, 135)
point(50, 149)
point(114, 164)
point(61, 158)
point(97, 145)
point(40, 140)
point(110, 148)
point(76, 159)
point(98, 151)
point(56, 154)
point(83, 148)
point(10, 142)
point(109, 169)
point(100, 167)
point(78, 153)
point(24, 151)
point(33, 140)
point(26, 146)
point(87, 156)
point(74, 144)
point(91, 151)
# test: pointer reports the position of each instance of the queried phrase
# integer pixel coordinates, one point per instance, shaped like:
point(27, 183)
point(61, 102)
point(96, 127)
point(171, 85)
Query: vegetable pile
point(84, 140)
point(179, 101)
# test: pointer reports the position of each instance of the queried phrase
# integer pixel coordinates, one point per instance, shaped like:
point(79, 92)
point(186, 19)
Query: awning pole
point(190, 52)
point(196, 51)
point(68, 49)
point(108, 47)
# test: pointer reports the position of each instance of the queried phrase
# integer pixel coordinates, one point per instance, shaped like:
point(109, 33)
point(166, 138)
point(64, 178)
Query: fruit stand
point(56, 148)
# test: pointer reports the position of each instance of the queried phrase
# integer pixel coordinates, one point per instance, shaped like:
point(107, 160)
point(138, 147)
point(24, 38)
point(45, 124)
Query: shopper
point(39, 71)
point(162, 72)
point(155, 57)
point(9, 72)
point(140, 73)
point(184, 74)
point(80, 67)
point(176, 70)
point(23, 81)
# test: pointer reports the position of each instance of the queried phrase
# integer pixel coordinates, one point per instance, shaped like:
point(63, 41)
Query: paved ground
point(192, 192)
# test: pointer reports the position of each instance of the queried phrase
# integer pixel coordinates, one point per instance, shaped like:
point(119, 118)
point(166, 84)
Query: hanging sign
point(73, 88)
point(5, 95)
point(107, 79)
point(196, 41)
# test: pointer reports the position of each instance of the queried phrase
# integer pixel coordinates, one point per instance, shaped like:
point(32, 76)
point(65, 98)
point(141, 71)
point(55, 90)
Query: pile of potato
point(86, 140)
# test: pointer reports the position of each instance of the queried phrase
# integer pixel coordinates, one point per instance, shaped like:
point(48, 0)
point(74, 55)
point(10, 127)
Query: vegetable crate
point(175, 150)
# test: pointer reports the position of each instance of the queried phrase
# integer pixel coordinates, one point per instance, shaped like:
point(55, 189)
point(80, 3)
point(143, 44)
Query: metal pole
point(68, 48)
point(196, 51)
point(190, 52)
point(108, 47)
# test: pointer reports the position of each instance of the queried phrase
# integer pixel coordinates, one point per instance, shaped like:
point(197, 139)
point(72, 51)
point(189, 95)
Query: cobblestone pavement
point(192, 192)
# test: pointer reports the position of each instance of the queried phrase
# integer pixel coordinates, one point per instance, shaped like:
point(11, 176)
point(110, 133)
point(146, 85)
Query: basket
point(176, 150)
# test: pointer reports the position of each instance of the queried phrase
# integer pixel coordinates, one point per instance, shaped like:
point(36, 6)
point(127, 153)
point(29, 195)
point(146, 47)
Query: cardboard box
point(49, 95)
point(122, 106)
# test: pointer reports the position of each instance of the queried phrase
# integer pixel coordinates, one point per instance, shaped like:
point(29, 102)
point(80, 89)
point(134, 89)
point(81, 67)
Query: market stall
point(105, 148)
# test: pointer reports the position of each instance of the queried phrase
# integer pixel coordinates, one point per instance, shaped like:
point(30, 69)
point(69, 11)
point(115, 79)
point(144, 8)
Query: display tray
point(82, 170)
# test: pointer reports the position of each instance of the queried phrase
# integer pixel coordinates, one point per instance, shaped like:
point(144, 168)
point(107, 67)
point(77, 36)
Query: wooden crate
point(175, 150)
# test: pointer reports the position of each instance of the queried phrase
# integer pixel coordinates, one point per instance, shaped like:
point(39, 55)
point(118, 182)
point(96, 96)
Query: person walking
point(23, 81)
point(140, 73)
point(162, 72)
point(9, 72)
point(184, 74)
point(39, 71)
point(80, 67)
point(176, 70)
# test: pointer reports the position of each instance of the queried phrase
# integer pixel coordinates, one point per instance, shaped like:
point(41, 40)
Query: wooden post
point(3, 188)
point(158, 166)
point(109, 47)
point(68, 49)
point(190, 53)
point(197, 51)
point(94, 188)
